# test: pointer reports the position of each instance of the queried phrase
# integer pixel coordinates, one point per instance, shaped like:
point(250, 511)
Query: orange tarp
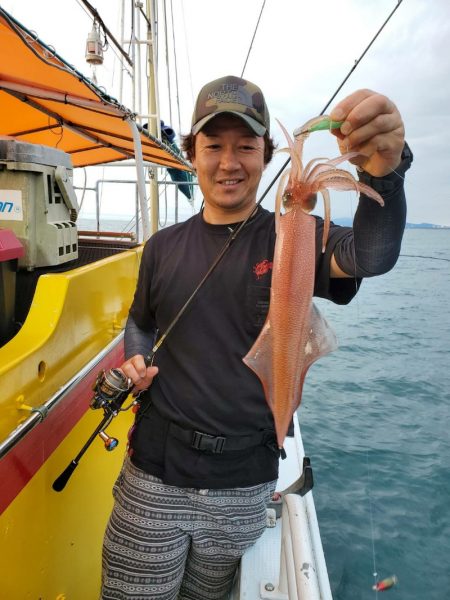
point(43, 100)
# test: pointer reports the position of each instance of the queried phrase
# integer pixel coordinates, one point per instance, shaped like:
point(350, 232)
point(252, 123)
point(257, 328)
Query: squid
point(295, 334)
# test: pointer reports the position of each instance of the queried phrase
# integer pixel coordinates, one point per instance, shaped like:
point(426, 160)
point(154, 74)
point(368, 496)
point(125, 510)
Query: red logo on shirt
point(262, 268)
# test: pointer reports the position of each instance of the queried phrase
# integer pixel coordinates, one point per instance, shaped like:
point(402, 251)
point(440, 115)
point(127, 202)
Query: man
point(203, 457)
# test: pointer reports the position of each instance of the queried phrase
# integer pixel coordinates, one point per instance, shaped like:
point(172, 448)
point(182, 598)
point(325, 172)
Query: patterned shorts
point(163, 542)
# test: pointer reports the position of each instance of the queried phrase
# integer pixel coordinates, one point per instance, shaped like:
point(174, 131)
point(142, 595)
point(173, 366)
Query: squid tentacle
point(327, 217)
point(279, 199)
point(297, 166)
point(310, 167)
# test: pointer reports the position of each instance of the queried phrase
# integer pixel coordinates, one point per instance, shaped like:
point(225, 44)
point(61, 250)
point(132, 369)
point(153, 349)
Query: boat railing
point(287, 562)
point(39, 413)
point(135, 220)
point(303, 572)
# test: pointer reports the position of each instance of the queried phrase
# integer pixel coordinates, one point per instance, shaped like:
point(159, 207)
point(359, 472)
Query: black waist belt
point(219, 443)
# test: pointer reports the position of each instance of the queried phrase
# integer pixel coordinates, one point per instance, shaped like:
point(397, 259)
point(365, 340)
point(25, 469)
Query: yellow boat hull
point(50, 541)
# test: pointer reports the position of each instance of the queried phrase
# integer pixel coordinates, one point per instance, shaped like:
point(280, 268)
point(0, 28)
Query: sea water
point(375, 420)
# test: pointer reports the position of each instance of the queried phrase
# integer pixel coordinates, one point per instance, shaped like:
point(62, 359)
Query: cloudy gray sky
point(301, 53)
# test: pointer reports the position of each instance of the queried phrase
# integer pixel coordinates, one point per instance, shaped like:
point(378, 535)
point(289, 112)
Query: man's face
point(229, 160)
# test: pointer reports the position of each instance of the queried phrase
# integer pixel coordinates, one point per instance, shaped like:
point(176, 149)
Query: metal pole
point(137, 211)
point(38, 414)
point(138, 64)
point(122, 43)
point(133, 56)
point(97, 203)
point(176, 204)
point(154, 125)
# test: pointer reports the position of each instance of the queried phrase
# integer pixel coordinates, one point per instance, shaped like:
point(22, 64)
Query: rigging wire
point(253, 38)
point(187, 49)
point(176, 67)
point(118, 56)
point(166, 45)
point(84, 8)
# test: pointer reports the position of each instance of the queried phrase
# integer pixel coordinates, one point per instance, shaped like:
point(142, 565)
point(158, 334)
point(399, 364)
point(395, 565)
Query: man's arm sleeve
point(140, 330)
point(374, 245)
point(136, 340)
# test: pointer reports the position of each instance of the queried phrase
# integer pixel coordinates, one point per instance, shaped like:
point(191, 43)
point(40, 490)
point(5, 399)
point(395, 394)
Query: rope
point(253, 38)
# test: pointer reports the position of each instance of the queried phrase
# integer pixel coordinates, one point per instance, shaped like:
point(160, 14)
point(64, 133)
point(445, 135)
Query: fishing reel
point(111, 389)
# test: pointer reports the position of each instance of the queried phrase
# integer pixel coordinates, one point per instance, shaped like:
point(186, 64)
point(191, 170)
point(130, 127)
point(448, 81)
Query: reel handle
point(60, 482)
point(110, 442)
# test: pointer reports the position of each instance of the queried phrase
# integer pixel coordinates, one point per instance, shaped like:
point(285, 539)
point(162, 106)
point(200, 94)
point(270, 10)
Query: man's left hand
point(373, 126)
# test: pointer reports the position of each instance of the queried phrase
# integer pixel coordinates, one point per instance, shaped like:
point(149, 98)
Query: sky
point(301, 53)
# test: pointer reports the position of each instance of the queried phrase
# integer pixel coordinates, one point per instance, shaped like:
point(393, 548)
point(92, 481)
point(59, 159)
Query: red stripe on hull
point(26, 458)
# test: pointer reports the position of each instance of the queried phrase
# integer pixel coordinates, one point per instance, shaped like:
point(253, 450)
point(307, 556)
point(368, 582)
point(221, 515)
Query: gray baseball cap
point(235, 96)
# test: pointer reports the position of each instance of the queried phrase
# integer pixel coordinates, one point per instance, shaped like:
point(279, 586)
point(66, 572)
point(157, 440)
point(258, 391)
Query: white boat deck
point(304, 574)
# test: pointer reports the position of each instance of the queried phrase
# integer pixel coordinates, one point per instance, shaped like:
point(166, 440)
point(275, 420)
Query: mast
point(122, 41)
point(154, 125)
point(142, 70)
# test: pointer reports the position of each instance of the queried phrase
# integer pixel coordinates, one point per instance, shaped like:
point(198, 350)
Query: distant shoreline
point(426, 226)
point(346, 222)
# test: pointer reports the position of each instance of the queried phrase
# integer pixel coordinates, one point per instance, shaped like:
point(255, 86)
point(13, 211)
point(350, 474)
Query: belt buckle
point(206, 442)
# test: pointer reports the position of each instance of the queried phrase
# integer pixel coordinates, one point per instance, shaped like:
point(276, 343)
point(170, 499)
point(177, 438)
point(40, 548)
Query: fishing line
point(422, 256)
point(374, 560)
point(369, 497)
point(372, 534)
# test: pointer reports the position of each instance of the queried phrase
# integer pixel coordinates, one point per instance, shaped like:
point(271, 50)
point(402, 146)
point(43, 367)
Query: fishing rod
point(356, 63)
point(112, 387)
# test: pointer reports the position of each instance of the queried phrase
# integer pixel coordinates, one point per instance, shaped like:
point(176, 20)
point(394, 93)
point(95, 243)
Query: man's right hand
point(135, 369)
